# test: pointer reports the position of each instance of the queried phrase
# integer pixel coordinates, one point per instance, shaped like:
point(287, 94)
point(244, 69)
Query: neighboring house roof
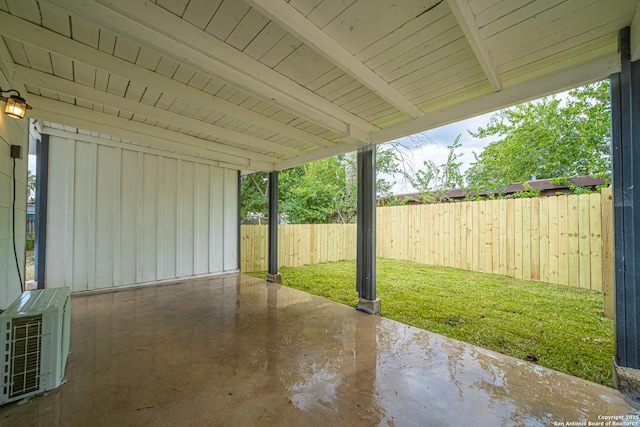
point(545, 186)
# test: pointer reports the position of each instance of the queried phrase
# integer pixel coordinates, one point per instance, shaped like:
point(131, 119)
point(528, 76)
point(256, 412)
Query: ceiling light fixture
point(16, 105)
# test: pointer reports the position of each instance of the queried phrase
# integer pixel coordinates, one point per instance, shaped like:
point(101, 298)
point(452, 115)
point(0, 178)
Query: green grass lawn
point(556, 326)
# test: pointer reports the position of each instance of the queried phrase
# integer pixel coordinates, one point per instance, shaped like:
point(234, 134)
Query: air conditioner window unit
point(34, 343)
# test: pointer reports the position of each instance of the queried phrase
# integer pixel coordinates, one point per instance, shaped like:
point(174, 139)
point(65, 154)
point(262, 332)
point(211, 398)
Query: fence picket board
point(553, 240)
point(584, 242)
point(595, 241)
point(544, 239)
point(517, 268)
point(535, 238)
point(456, 235)
point(410, 241)
point(413, 234)
point(574, 247)
point(312, 244)
point(424, 236)
point(386, 227)
point(488, 243)
point(510, 238)
point(469, 248)
point(482, 235)
point(463, 235)
point(442, 236)
point(563, 241)
point(497, 235)
point(503, 237)
point(526, 239)
point(476, 237)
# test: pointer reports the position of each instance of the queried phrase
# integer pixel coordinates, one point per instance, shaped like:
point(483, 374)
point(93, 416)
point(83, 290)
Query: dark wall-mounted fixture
point(16, 106)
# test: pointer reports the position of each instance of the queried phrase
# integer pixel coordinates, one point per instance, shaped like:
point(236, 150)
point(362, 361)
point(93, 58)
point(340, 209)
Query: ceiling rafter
point(38, 36)
point(467, 22)
point(8, 66)
point(564, 80)
point(67, 87)
point(155, 27)
point(298, 25)
point(64, 113)
point(310, 157)
point(126, 146)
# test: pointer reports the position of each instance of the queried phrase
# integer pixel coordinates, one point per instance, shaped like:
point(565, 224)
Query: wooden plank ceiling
point(270, 84)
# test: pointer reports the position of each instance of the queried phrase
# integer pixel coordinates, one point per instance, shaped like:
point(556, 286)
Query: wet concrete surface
point(235, 351)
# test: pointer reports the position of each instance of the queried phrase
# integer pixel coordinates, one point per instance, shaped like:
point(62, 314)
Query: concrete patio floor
point(234, 351)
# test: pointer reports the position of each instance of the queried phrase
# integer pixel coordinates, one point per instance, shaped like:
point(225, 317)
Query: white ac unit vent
point(34, 343)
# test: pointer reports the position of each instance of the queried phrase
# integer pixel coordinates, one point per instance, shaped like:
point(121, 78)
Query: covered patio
point(146, 113)
point(234, 351)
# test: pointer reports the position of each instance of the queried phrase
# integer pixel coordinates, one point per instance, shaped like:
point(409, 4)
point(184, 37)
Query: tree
point(324, 191)
point(31, 185)
point(317, 193)
point(546, 139)
point(254, 194)
point(434, 181)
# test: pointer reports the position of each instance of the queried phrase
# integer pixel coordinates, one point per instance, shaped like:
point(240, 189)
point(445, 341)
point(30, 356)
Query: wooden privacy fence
point(298, 245)
point(559, 239)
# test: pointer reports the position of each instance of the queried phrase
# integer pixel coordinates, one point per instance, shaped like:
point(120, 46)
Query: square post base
point(369, 306)
point(274, 278)
point(627, 380)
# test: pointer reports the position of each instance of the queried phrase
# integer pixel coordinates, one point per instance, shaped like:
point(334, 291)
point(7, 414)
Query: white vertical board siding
point(185, 245)
point(167, 223)
point(119, 217)
point(128, 217)
point(149, 198)
point(201, 219)
point(105, 215)
point(12, 132)
point(80, 212)
point(231, 220)
point(216, 222)
point(58, 246)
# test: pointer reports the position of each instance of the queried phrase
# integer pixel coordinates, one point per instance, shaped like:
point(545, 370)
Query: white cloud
point(32, 163)
point(432, 145)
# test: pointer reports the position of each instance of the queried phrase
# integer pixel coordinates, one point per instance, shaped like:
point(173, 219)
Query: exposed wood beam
point(210, 146)
point(126, 146)
point(635, 35)
point(8, 67)
point(564, 80)
point(314, 155)
point(467, 22)
point(162, 139)
point(153, 26)
point(6, 64)
point(298, 25)
point(356, 137)
point(57, 84)
point(37, 36)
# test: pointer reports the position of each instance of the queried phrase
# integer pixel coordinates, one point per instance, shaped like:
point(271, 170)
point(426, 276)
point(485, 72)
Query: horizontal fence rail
point(565, 239)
